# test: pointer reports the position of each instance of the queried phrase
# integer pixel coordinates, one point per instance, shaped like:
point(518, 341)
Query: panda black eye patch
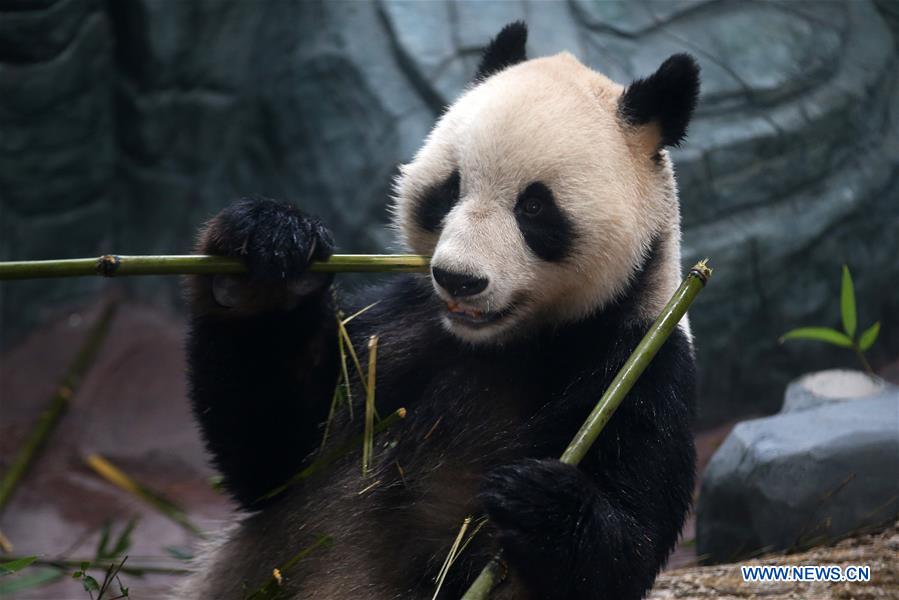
point(546, 229)
point(437, 202)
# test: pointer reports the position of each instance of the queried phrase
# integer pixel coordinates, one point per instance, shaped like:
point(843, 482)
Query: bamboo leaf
point(16, 565)
point(847, 303)
point(90, 584)
point(31, 579)
point(868, 338)
point(820, 334)
point(102, 549)
point(124, 541)
point(179, 553)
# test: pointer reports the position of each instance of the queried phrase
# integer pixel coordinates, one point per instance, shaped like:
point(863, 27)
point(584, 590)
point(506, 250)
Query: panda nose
point(459, 284)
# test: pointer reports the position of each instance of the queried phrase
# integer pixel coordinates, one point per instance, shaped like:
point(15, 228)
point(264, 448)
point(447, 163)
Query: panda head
point(540, 192)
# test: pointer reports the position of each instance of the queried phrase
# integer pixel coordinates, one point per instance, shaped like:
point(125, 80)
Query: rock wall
point(125, 124)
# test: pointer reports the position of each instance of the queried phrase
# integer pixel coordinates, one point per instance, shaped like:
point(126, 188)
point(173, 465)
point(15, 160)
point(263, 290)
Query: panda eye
point(545, 227)
point(534, 201)
point(532, 206)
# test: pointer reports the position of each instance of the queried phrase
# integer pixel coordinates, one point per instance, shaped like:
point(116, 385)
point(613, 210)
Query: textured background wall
point(124, 124)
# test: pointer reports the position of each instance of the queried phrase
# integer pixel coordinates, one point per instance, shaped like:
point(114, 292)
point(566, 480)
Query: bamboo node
point(108, 264)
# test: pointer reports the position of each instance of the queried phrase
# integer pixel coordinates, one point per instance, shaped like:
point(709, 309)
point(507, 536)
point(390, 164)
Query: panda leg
point(262, 348)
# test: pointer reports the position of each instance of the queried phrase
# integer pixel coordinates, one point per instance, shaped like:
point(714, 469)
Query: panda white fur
point(548, 202)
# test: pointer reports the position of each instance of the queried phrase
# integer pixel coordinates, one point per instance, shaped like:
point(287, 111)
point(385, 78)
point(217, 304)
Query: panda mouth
point(474, 317)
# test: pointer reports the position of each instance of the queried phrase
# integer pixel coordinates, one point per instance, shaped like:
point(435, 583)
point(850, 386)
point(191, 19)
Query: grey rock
point(126, 124)
point(823, 468)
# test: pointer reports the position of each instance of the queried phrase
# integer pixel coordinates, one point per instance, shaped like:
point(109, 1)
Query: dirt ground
point(131, 408)
point(879, 551)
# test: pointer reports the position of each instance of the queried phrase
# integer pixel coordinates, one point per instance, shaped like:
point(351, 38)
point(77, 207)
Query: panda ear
point(666, 99)
point(506, 49)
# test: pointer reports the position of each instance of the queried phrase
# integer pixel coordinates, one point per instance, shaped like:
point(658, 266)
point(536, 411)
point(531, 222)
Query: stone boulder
point(826, 466)
point(127, 123)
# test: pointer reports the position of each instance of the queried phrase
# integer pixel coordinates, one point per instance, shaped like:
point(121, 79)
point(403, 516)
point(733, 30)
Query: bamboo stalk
point(451, 556)
point(71, 563)
point(112, 265)
point(118, 478)
point(636, 363)
point(58, 404)
point(368, 439)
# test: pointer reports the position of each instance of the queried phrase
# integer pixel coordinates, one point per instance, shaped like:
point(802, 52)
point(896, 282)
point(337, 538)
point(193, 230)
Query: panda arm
point(262, 353)
point(642, 490)
point(605, 528)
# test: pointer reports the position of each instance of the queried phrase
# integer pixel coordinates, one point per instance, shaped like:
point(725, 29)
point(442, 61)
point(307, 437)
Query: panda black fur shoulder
point(548, 202)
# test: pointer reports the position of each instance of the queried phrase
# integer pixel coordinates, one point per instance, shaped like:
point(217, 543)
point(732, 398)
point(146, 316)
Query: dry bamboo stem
point(5, 545)
point(636, 363)
point(118, 478)
point(50, 417)
point(112, 265)
point(368, 441)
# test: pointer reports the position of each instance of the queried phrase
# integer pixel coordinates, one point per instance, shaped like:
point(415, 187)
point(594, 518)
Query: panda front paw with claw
point(277, 242)
point(540, 509)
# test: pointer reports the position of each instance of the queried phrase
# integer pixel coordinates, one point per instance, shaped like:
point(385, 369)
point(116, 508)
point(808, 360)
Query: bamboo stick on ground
point(118, 478)
point(113, 265)
point(636, 363)
point(102, 565)
point(5, 545)
point(50, 417)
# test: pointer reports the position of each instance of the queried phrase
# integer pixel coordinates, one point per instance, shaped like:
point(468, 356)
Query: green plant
point(111, 575)
point(107, 552)
point(847, 338)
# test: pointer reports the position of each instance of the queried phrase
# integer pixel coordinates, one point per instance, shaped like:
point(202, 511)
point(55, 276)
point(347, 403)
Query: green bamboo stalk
point(59, 402)
point(113, 265)
point(625, 379)
point(72, 563)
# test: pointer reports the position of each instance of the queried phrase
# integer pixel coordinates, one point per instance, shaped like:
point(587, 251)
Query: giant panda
point(547, 200)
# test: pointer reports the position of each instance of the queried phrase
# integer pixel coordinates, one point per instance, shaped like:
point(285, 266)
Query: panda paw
point(539, 508)
point(275, 240)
